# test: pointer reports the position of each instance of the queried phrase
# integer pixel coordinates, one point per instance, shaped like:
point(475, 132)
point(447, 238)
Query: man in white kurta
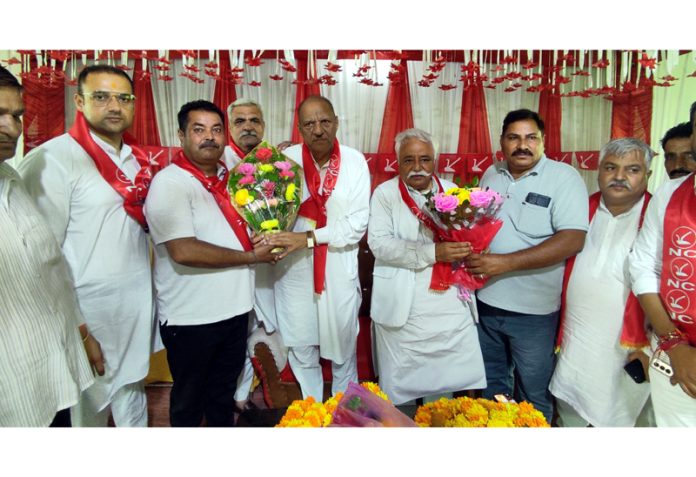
point(106, 249)
point(589, 382)
point(426, 341)
point(323, 324)
point(43, 366)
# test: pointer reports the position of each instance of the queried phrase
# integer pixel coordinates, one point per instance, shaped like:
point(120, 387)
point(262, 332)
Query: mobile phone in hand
point(635, 370)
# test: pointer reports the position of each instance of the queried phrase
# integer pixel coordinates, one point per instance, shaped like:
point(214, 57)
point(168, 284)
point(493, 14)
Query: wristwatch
point(310, 239)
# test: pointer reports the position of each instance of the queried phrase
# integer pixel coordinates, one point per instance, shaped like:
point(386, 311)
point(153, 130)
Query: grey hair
point(243, 102)
point(414, 133)
point(625, 145)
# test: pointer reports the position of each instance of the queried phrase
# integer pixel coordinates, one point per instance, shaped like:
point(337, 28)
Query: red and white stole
point(633, 330)
point(441, 271)
point(218, 188)
point(314, 208)
point(237, 150)
point(678, 275)
point(133, 192)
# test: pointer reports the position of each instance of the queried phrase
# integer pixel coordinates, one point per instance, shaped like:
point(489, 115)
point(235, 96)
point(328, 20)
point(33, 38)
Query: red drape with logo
point(398, 115)
point(550, 112)
point(305, 89)
point(44, 108)
point(632, 115)
point(144, 127)
point(225, 92)
point(474, 135)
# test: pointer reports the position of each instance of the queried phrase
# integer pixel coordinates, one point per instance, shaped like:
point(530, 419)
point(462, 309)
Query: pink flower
point(246, 168)
point(268, 188)
point(288, 174)
point(263, 154)
point(482, 198)
point(446, 203)
point(283, 165)
point(247, 180)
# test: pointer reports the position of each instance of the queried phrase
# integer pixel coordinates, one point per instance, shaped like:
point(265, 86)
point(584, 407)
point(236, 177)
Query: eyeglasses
point(323, 124)
point(102, 98)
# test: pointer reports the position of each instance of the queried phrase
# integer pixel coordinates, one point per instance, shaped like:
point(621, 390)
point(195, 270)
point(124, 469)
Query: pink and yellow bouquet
point(363, 405)
point(266, 189)
point(464, 214)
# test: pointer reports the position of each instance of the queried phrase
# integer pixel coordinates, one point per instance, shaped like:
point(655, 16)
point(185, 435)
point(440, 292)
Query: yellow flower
point(242, 197)
point(266, 168)
point(463, 195)
point(271, 224)
point(290, 193)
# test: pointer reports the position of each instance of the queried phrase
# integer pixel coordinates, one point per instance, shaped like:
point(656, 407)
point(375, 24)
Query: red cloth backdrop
point(144, 126)
point(305, 88)
point(550, 112)
point(44, 110)
point(631, 115)
point(398, 116)
point(225, 92)
point(474, 135)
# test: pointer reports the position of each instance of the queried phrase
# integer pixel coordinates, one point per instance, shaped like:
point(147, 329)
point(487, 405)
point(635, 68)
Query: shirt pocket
point(533, 220)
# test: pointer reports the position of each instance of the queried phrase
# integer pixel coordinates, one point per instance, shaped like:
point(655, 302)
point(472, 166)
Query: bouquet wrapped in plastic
point(266, 189)
point(360, 407)
point(463, 214)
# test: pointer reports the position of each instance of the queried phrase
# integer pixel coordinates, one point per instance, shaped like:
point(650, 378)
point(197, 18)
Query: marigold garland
point(467, 412)
point(309, 413)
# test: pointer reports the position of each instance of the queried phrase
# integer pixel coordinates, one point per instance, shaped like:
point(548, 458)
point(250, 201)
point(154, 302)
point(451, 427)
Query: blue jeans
point(518, 354)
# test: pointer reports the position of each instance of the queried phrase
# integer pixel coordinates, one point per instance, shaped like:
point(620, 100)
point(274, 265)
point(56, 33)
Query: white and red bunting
point(587, 160)
point(565, 157)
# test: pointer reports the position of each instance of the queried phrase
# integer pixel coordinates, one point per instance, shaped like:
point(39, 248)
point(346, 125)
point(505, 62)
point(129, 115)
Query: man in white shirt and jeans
point(204, 273)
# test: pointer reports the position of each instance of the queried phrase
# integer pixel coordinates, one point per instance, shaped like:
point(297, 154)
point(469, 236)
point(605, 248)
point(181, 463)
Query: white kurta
point(329, 320)
point(426, 342)
point(106, 250)
point(589, 375)
point(43, 366)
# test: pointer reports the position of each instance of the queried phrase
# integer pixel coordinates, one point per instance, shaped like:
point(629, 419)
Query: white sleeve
point(168, 209)
point(382, 239)
point(48, 180)
point(348, 228)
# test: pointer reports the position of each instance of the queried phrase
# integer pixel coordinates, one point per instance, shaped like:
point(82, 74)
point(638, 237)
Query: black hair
point(112, 70)
point(521, 115)
point(8, 80)
point(682, 130)
point(198, 105)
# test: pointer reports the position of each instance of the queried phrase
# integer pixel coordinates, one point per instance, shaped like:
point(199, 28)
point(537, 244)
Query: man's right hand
point(683, 360)
point(263, 253)
point(451, 251)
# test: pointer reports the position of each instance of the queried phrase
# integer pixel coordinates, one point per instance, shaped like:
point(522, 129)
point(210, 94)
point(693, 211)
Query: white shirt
point(107, 252)
point(589, 375)
point(178, 206)
point(646, 257)
point(43, 366)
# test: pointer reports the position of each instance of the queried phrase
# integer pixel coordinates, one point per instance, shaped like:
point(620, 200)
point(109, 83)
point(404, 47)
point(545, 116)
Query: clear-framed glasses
point(323, 124)
point(102, 98)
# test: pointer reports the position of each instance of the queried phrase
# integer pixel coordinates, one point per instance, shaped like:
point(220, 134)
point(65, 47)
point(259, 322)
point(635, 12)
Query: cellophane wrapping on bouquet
point(464, 214)
point(360, 407)
point(266, 189)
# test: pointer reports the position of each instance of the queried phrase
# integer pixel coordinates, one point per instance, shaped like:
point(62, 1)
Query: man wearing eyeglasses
point(319, 316)
point(90, 184)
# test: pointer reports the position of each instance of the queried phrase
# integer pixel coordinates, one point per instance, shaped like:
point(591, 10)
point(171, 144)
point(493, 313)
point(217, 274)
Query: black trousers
point(205, 362)
point(62, 419)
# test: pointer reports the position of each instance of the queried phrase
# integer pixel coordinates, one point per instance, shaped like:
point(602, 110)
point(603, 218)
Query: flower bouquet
point(266, 189)
point(463, 214)
point(467, 412)
point(363, 405)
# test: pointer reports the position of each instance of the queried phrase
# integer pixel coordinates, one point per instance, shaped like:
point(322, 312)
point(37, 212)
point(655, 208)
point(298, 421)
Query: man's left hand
point(290, 241)
point(486, 264)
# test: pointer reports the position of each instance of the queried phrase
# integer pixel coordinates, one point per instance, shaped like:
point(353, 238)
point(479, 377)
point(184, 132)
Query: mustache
point(522, 152)
point(620, 183)
point(209, 144)
point(417, 174)
point(248, 133)
point(679, 172)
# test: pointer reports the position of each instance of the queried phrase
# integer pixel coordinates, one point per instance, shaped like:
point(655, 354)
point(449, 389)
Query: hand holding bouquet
point(266, 188)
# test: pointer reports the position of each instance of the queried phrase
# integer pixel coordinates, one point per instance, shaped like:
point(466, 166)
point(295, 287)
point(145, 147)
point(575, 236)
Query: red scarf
point(441, 271)
point(314, 208)
point(237, 150)
point(218, 187)
point(133, 192)
point(633, 331)
point(679, 259)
